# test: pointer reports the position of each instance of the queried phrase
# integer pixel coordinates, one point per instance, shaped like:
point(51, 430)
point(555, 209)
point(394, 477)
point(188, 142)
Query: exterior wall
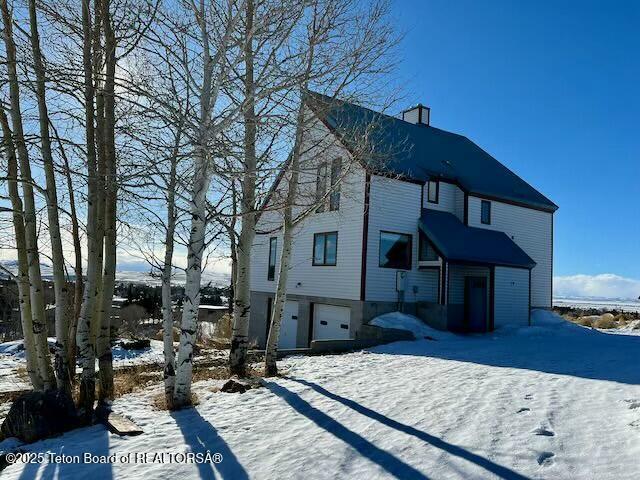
point(532, 230)
point(511, 298)
point(341, 281)
point(457, 273)
point(450, 199)
point(394, 206)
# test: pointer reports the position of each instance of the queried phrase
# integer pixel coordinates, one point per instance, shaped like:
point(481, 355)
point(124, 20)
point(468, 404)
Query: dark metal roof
point(420, 152)
point(460, 243)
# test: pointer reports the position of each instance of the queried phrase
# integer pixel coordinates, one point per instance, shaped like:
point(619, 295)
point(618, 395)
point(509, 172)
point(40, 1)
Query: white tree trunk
point(241, 292)
point(59, 279)
point(22, 278)
point(195, 249)
point(36, 292)
point(105, 358)
point(86, 347)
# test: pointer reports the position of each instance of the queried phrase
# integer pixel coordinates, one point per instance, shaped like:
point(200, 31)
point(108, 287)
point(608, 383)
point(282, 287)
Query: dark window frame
point(324, 251)
point(322, 171)
point(437, 184)
point(487, 220)
point(271, 268)
point(410, 263)
point(334, 195)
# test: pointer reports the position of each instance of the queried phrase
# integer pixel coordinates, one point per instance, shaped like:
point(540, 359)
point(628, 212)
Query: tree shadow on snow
point(384, 459)
point(496, 469)
point(93, 439)
point(202, 437)
point(564, 349)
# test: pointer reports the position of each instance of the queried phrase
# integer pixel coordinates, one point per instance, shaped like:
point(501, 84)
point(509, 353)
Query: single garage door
point(289, 327)
point(331, 322)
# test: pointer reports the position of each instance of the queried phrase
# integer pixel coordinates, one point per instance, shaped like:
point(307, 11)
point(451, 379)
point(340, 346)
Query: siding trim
point(492, 297)
point(365, 236)
point(529, 297)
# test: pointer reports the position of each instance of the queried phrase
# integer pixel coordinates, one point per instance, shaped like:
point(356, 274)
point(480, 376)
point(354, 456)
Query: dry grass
point(584, 321)
point(159, 402)
point(605, 323)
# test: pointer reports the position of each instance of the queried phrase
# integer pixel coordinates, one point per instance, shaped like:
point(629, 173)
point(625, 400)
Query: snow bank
point(402, 321)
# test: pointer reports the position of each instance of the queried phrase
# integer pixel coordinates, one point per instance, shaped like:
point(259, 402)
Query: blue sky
point(551, 89)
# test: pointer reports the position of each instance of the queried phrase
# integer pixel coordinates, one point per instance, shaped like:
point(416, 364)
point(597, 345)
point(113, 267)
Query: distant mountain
point(12, 266)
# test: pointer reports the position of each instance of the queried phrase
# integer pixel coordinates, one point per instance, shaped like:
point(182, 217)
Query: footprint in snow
point(546, 458)
point(524, 409)
point(543, 432)
point(528, 396)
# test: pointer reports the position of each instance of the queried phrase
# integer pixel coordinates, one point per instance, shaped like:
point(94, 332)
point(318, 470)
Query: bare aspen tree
point(31, 235)
point(22, 278)
point(59, 279)
point(362, 51)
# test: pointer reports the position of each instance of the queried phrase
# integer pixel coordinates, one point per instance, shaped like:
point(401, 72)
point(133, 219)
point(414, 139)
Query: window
point(395, 250)
point(433, 190)
point(485, 212)
point(336, 172)
point(325, 249)
point(321, 186)
point(273, 248)
point(426, 252)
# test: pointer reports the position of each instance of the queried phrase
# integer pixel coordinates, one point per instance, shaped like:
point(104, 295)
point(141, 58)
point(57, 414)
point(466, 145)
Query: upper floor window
point(426, 252)
point(325, 249)
point(485, 212)
point(395, 250)
point(336, 172)
point(433, 192)
point(328, 177)
point(321, 186)
point(273, 248)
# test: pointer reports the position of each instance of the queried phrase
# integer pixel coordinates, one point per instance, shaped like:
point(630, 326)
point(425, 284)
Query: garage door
point(289, 327)
point(331, 322)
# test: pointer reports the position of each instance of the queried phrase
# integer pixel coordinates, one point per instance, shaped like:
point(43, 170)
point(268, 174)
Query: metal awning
point(457, 242)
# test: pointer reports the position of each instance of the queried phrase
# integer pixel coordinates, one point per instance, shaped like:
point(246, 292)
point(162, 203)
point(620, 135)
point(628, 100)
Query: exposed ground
point(556, 400)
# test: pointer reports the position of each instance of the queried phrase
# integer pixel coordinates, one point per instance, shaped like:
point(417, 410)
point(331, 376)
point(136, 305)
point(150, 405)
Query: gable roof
point(421, 152)
point(458, 242)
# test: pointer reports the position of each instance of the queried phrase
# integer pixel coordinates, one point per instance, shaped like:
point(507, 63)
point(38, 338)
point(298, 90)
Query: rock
point(235, 386)
point(135, 344)
point(37, 415)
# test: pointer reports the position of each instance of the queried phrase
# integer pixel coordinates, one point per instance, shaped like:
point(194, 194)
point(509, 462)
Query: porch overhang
point(456, 242)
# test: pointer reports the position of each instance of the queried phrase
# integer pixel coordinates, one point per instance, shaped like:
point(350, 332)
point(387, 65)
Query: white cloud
point(605, 285)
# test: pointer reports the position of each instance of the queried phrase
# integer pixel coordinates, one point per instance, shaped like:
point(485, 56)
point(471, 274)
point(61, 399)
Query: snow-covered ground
point(604, 304)
point(13, 375)
point(551, 401)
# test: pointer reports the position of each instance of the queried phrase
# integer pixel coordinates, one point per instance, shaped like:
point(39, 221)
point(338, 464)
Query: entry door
point(475, 303)
point(289, 327)
point(331, 322)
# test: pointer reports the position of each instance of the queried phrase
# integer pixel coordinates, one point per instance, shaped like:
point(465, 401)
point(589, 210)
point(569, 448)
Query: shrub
point(605, 322)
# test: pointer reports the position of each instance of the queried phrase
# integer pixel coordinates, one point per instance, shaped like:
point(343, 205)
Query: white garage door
point(289, 327)
point(331, 322)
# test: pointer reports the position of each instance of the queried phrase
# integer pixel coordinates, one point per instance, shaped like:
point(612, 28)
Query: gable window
point(336, 172)
point(426, 252)
point(485, 212)
point(325, 249)
point(395, 250)
point(433, 191)
point(321, 186)
point(273, 248)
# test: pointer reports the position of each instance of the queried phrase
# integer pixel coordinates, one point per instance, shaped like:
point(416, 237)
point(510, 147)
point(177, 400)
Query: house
point(424, 221)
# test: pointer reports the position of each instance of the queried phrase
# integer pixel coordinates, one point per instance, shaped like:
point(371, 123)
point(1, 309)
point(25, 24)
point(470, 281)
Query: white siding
point(394, 206)
point(340, 281)
point(457, 273)
point(511, 296)
point(532, 231)
point(450, 199)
